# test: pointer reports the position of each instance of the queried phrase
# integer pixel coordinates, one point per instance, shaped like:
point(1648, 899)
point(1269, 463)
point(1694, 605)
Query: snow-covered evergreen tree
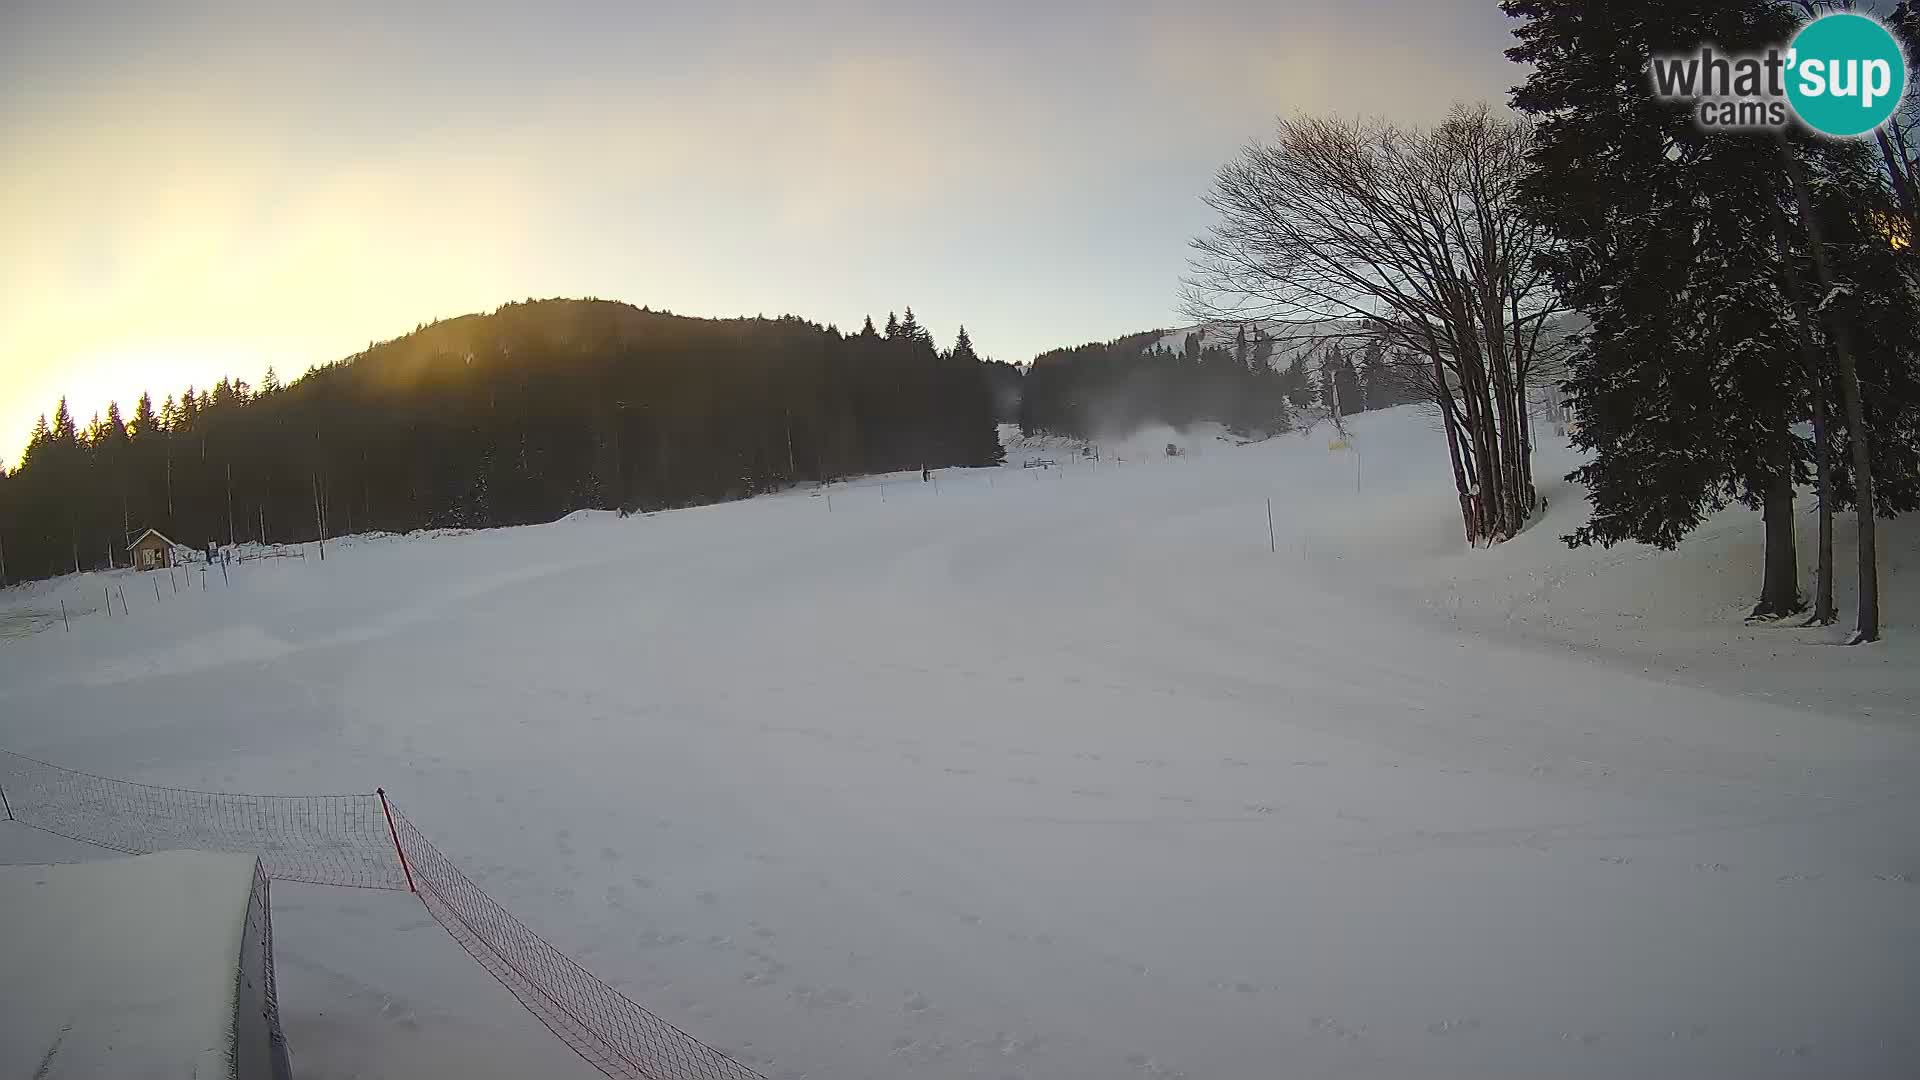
point(1686, 384)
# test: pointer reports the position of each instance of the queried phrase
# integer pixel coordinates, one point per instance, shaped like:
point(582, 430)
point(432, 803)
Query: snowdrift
point(1679, 615)
point(156, 966)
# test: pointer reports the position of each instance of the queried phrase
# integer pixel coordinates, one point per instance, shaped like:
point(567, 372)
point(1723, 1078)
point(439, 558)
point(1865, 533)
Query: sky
point(191, 190)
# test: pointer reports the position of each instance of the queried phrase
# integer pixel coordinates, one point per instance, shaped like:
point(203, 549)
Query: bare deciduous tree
point(1412, 237)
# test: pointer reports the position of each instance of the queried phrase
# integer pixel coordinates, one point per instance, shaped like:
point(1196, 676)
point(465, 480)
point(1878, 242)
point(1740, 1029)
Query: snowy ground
point(1063, 773)
point(1141, 446)
point(134, 962)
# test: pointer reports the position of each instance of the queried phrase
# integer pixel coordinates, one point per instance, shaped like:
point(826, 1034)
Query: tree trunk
point(1824, 613)
point(1483, 457)
point(1780, 587)
point(1867, 626)
point(1823, 605)
point(1522, 452)
point(1441, 396)
point(1902, 183)
point(1511, 431)
point(319, 522)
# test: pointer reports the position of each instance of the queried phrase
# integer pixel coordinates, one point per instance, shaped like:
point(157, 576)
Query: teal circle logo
point(1846, 74)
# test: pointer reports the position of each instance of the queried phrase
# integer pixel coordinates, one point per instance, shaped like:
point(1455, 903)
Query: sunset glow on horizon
point(193, 194)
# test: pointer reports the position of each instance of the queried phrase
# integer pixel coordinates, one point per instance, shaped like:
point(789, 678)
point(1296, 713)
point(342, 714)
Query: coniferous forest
point(1250, 384)
point(509, 418)
point(1753, 317)
point(1105, 389)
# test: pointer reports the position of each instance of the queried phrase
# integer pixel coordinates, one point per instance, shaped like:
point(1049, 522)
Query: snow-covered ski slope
point(1062, 773)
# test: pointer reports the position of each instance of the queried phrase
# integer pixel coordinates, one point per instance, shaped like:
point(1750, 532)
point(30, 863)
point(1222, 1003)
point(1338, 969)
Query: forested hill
point(1112, 388)
point(513, 417)
point(1254, 377)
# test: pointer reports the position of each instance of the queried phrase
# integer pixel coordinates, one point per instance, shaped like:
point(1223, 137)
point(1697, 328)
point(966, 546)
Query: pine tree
point(64, 433)
point(1261, 359)
point(912, 331)
point(976, 438)
point(1685, 384)
point(37, 441)
point(1298, 386)
point(143, 418)
point(1334, 389)
point(1377, 384)
point(1347, 385)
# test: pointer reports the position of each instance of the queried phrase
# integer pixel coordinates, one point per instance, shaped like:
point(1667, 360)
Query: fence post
point(122, 590)
point(1271, 545)
point(63, 617)
point(156, 590)
point(5, 803)
point(104, 591)
point(395, 833)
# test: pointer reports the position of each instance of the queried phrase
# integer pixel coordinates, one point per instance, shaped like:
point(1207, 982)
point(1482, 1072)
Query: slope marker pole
point(395, 833)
